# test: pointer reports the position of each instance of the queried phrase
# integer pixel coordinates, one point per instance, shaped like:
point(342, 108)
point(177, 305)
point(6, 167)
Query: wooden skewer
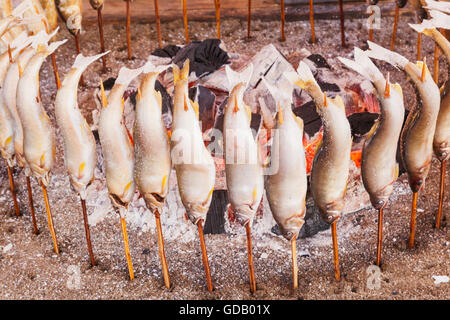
point(158, 24)
point(88, 232)
point(55, 71)
point(185, 20)
point(436, 64)
point(394, 30)
point(102, 39)
point(249, 18)
point(311, 21)
point(413, 220)
point(294, 263)
point(13, 192)
point(251, 268)
point(127, 247)
point(283, 13)
point(162, 254)
point(50, 218)
point(204, 256)
point(380, 236)
point(419, 46)
point(341, 13)
point(77, 44)
point(337, 272)
point(217, 3)
point(441, 195)
point(128, 29)
point(30, 200)
point(371, 28)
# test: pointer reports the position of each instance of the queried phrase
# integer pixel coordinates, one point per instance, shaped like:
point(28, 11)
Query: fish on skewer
point(441, 141)
point(38, 133)
point(286, 189)
point(152, 152)
point(379, 167)
point(8, 92)
point(98, 5)
point(80, 155)
point(243, 164)
point(193, 163)
point(416, 141)
point(118, 153)
point(330, 167)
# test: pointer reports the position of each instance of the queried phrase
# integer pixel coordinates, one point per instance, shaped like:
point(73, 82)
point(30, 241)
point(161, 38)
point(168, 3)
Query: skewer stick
point(13, 192)
point(49, 218)
point(380, 236)
point(127, 247)
point(251, 268)
point(283, 14)
point(294, 262)
point(128, 29)
point(436, 63)
point(441, 195)
point(394, 30)
point(186, 31)
point(204, 256)
point(413, 220)
point(217, 3)
point(30, 200)
point(419, 46)
point(371, 28)
point(162, 254)
point(341, 13)
point(158, 24)
point(102, 39)
point(77, 45)
point(311, 21)
point(249, 18)
point(337, 272)
point(88, 232)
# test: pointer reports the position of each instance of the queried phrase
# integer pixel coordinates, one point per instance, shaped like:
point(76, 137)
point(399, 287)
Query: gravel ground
point(30, 269)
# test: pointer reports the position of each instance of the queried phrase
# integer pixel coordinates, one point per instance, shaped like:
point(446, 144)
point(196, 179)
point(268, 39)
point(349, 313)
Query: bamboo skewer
point(413, 220)
point(77, 44)
point(342, 18)
point(380, 236)
point(88, 232)
point(394, 30)
point(251, 268)
point(337, 272)
point(441, 195)
point(128, 29)
point(249, 18)
point(102, 39)
point(30, 200)
point(204, 256)
point(55, 70)
point(49, 218)
point(127, 247)
point(158, 24)
point(162, 254)
point(311, 21)
point(217, 3)
point(294, 262)
point(185, 20)
point(371, 28)
point(13, 192)
point(419, 46)
point(436, 63)
point(283, 18)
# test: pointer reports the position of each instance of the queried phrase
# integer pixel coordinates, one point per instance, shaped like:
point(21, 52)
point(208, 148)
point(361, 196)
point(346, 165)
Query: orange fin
point(387, 89)
point(103, 95)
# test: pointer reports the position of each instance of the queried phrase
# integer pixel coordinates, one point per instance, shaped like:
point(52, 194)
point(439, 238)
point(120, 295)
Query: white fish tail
point(305, 74)
point(282, 95)
point(82, 62)
point(235, 77)
point(363, 65)
point(438, 20)
point(127, 75)
point(438, 5)
point(377, 52)
point(150, 67)
point(55, 45)
point(42, 38)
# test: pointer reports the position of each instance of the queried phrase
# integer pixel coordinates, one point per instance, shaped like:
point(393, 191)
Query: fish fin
point(299, 122)
point(363, 65)
point(42, 160)
point(209, 196)
point(422, 65)
point(82, 62)
point(396, 171)
point(236, 77)
point(103, 95)
point(163, 183)
point(378, 52)
point(81, 168)
point(138, 94)
point(176, 73)
point(127, 75)
point(249, 113)
point(196, 107)
point(372, 130)
point(158, 98)
point(8, 140)
point(185, 71)
point(280, 114)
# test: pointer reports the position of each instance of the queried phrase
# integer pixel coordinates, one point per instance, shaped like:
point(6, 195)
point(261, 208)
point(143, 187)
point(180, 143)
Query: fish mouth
point(291, 233)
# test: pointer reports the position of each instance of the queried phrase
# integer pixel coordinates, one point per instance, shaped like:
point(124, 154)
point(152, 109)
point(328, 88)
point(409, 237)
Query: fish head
point(291, 226)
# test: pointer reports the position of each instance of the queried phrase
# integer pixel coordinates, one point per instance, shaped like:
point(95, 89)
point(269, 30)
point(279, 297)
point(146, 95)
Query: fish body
point(286, 189)
point(152, 145)
point(80, 154)
point(116, 145)
point(95, 4)
point(379, 167)
point(70, 11)
point(193, 163)
point(38, 133)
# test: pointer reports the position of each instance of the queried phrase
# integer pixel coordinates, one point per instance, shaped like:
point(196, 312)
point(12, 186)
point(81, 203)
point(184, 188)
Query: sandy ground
point(30, 269)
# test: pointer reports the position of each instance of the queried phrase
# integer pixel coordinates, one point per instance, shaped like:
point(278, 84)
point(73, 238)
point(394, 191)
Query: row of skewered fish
point(144, 161)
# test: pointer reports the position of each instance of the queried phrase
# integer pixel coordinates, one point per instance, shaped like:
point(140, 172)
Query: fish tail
point(438, 20)
point(127, 75)
point(283, 93)
point(236, 77)
point(377, 52)
point(182, 74)
point(149, 67)
point(82, 62)
point(438, 5)
point(363, 65)
point(49, 49)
